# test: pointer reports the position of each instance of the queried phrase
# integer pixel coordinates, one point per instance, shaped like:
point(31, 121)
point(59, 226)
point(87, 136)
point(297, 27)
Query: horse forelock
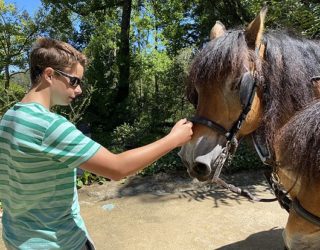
point(220, 58)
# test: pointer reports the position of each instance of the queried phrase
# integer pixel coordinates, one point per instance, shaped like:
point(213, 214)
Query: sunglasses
point(74, 81)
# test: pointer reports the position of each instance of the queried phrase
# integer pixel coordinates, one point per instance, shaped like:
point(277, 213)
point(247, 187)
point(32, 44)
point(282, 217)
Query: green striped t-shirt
point(39, 153)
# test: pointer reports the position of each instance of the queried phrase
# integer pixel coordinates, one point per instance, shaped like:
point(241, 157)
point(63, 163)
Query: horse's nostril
point(201, 169)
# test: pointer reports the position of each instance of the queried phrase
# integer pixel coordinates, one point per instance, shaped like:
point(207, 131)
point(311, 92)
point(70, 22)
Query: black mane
point(299, 143)
point(290, 63)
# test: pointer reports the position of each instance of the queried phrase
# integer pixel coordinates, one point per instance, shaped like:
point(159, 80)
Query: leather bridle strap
point(237, 125)
point(210, 124)
point(305, 214)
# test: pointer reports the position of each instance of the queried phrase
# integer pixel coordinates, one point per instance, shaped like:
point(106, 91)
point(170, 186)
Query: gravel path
point(170, 212)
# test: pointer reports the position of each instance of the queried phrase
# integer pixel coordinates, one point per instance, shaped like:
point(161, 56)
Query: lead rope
point(226, 156)
point(281, 196)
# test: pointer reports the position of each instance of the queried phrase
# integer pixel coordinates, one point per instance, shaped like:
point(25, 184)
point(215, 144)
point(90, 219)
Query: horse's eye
point(194, 101)
point(192, 97)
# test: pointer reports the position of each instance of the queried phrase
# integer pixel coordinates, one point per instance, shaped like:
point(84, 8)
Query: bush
point(8, 97)
point(245, 159)
point(169, 163)
point(128, 136)
point(88, 178)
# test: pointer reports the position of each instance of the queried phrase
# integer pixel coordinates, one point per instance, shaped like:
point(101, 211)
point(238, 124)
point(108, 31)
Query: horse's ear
point(255, 29)
point(217, 30)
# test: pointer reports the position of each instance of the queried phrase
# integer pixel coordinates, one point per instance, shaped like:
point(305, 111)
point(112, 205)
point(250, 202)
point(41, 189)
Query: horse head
point(223, 79)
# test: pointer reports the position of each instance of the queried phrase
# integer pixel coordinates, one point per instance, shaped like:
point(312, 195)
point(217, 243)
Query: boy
point(40, 151)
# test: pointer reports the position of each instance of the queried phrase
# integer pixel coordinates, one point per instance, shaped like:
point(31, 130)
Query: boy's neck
point(36, 94)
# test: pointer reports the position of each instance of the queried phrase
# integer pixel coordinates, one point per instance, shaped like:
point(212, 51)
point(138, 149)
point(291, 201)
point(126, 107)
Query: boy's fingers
point(184, 120)
point(190, 124)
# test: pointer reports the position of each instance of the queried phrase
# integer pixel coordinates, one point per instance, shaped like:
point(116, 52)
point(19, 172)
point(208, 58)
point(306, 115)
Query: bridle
point(250, 81)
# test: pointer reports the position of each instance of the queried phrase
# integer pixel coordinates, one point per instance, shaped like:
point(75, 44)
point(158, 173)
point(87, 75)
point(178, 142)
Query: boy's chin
point(64, 103)
point(68, 101)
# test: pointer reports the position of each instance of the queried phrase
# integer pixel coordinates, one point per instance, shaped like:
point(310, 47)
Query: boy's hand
point(181, 132)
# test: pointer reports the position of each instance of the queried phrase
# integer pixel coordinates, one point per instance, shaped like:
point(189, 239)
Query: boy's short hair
point(47, 52)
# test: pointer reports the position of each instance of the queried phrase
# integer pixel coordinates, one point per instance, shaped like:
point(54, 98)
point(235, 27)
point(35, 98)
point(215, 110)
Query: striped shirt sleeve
point(63, 142)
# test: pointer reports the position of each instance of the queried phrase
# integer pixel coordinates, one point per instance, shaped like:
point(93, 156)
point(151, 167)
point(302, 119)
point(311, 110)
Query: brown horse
point(250, 82)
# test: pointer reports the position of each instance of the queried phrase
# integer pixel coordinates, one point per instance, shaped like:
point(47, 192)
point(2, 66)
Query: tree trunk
point(124, 53)
point(7, 77)
point(156, 83)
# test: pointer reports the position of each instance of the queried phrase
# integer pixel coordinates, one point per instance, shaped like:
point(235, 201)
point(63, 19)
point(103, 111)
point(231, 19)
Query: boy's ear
point(48, 73)
point(255, 29)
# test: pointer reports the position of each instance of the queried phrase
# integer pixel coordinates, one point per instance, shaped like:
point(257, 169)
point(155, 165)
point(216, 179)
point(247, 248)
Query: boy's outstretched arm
point(117, 166)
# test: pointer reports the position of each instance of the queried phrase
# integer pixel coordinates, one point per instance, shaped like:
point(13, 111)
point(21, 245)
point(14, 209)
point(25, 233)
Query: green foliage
point(56, 23)
point(128, 136)
point(168, 163)
point(103, 70)
point(245, 159)
point(298, 16)
point(8, 97)
point(88, 178)
point(17, 31)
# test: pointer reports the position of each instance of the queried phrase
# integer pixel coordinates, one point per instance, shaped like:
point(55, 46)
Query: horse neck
point(306, 193)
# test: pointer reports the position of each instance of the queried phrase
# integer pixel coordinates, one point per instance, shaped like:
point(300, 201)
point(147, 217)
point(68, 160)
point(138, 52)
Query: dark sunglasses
point(74, 81)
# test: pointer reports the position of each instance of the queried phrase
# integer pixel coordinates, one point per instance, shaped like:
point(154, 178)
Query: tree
point(299, 16)
point(99, 9)
point(124, 52)
point(17, 31)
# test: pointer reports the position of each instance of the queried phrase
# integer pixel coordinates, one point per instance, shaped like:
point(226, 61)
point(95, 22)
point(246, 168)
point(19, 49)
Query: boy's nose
point(78, 90)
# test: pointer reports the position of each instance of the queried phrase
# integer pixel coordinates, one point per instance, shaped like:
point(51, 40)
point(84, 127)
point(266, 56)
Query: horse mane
point(285, 75)
point(298, 142)
point(288, 66)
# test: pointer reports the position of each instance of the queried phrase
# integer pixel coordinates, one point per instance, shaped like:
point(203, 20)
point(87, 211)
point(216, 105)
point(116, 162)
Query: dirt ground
point(170, 212)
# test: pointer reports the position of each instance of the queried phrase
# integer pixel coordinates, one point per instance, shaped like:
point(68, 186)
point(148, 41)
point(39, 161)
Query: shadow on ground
point(179, 183)
point(266, 240)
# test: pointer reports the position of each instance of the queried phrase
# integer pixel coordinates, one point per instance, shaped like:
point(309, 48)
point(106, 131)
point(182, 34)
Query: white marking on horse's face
point(301, 241)
point(204, 151)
